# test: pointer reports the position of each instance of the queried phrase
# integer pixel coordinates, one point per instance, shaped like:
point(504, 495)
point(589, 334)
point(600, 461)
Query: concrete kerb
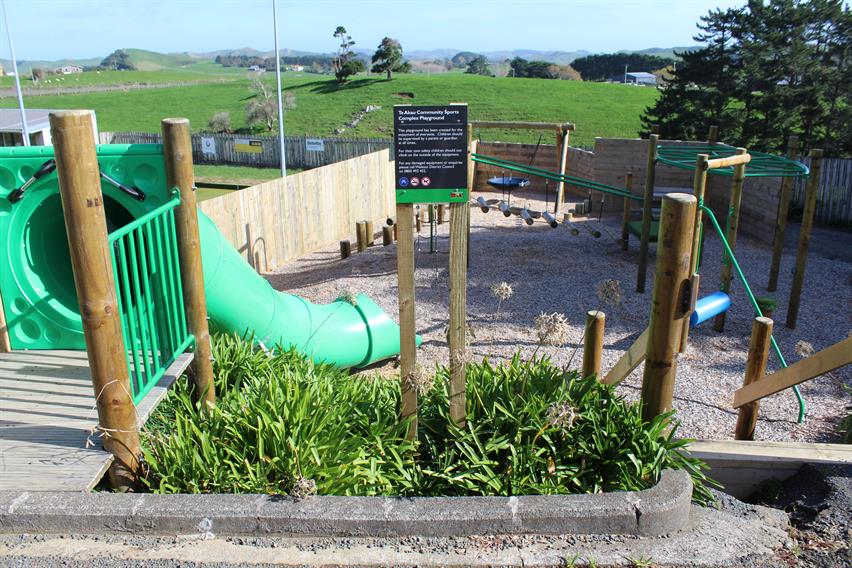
point(660, 510)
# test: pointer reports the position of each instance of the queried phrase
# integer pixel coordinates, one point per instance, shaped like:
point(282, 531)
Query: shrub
point(285, 425)
point(220, 122)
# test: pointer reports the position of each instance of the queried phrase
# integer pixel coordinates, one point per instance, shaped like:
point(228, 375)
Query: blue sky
point(50, 29)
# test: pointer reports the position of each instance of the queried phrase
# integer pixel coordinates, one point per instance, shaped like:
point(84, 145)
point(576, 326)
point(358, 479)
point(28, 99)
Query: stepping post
point(758, 352)
point(85, 223)
point(177, 151)
point(593, 343)
point(669, 303)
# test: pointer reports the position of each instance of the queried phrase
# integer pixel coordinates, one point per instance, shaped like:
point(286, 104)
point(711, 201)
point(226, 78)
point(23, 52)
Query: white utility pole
point(280, 94)
point(25, 131)
point(625, 74)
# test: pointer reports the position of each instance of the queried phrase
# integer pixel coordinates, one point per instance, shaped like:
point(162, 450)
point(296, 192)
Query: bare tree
point(263, 109)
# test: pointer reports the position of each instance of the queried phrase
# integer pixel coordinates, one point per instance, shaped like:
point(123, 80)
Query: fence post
point(177, 152)
point(669, 303)
point(804, 238)
point(646, 212)
point(407, 321)
point(758, 352)
point(85, 224)
point(781, 218)
point(593, 343)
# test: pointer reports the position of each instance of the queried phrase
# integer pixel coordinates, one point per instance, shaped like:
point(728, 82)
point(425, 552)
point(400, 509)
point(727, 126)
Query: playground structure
point(145, 271)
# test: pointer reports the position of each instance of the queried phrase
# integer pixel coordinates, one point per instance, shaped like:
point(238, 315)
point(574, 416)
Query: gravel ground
point(551, 270)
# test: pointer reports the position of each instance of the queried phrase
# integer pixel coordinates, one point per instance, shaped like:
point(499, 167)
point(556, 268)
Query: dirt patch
point(404, 95)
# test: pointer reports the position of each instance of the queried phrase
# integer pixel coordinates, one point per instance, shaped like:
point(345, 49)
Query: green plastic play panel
point(36, 278)
point(635, 228)
point(37, 281)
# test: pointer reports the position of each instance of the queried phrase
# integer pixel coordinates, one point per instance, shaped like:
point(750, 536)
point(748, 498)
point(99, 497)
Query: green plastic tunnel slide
point(350, 332)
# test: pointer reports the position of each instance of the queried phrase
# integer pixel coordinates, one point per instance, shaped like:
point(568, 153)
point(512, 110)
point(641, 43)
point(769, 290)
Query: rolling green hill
point(322, 106)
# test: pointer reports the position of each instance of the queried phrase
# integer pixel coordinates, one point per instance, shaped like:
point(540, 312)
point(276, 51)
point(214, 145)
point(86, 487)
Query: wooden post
point(758, 352)
point(804, 238)
point(177, 152)
point(442, 209)
point(655, 129)
point(370, 233)
point(699, 186)
point(781, 218)
point(458, 310)
point(419, 219)
point(407, 326)
point(593, 343)
point(5, 344)
point(625, 215)
point(669, 303)
point(731, 234)
point(94, 280)
point(345, 249)
point(562, 144)
point(646, 212)
point(713, 135)
point(387, 236)
point(361, 235)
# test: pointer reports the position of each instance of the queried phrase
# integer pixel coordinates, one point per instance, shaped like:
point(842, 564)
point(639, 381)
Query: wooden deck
point(47, 416)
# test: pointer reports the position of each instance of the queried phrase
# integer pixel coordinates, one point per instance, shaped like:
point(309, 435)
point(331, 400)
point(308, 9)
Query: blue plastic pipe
point(709, 307)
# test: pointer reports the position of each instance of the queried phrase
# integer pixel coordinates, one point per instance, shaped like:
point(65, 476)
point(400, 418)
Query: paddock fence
point(303, 152)
point(834, 196)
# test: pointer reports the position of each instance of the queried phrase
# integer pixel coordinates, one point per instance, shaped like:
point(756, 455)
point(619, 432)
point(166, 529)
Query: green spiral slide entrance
point(37, 284)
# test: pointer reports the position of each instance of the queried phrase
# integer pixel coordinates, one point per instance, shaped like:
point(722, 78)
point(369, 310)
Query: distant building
point(637, 78)
point(11, 132)
point(68, 69)
point(296, 67)
point(257, 68)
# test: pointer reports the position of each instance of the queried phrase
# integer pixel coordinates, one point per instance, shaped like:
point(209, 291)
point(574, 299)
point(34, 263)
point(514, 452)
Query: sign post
point(431, 152)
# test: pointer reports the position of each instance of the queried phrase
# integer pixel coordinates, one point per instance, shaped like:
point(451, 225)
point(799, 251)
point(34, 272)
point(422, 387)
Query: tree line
point(766, 71)
point(608, 65)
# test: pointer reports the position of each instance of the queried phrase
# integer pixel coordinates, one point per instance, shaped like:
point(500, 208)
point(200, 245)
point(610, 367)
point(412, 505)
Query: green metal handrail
point(761, 164)
point(729, 255)
point(150, 295)
point(553, 176)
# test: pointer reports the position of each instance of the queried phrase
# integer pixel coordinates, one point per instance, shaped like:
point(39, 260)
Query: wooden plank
point(522, 125)
point(771, 452)
point(819, 363)
point(631, 359)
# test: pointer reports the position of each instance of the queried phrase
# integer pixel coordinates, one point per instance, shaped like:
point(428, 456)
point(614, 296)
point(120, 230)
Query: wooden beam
point(593, 339)
point(407, 325)
point(669, 303)
point(781, 217)
point(699, 186)
point(728, 161)
point(522, 125)
point(648, 199)
point(731, 234)
point(758, 353)
point(631, 359)
point(177, 153)
point(804, 238)
point(562, 143)
point(625, 214)
point(457, 335)
point(818, 364)
point(773, 452)
point(94, 280)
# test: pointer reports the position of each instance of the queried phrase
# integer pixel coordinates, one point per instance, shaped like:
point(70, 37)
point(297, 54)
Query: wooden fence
point(834, 198)
point(303, 152)
point(279, 220)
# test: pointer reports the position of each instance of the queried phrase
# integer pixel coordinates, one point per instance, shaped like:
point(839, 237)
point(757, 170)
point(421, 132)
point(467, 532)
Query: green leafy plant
point(284, 425)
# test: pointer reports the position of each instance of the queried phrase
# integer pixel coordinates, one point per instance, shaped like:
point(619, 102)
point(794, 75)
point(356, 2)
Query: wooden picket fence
point(303, 152)
point(834, 198)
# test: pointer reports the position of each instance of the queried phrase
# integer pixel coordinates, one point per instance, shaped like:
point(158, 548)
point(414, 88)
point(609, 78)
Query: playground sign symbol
point(430, 148)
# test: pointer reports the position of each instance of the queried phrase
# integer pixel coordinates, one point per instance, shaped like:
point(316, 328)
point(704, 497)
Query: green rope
point(729, 254)
point(546, 174)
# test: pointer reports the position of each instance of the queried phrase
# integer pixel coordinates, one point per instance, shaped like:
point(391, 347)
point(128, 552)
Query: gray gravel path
point(552, 271)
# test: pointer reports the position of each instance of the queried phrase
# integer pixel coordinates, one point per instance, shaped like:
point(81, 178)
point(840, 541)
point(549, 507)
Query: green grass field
point(598, 109)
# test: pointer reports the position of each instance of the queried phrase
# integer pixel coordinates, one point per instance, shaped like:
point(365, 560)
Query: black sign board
point(430, 148)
